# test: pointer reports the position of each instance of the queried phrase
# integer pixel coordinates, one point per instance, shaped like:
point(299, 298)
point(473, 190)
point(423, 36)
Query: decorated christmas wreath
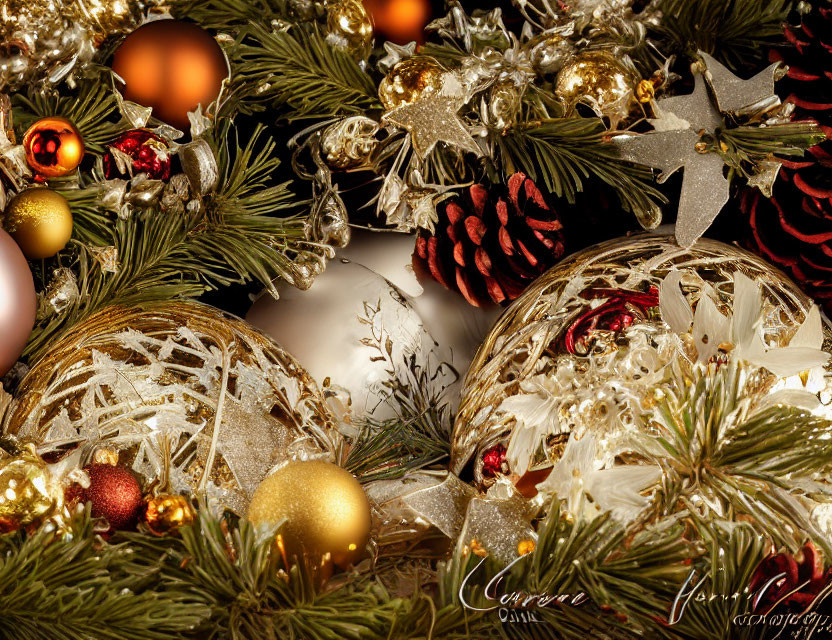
point(534, 346)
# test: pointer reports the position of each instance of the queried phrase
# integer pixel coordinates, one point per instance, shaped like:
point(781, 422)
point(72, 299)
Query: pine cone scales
point(794, 228)
point(489, 244)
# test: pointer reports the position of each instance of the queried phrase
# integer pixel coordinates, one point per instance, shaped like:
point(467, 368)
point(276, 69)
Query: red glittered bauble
point(115, 495)
point(171, 66)
point(494, 461)
point(150, 154)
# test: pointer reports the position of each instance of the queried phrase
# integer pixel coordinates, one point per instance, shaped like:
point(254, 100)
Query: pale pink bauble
point(18, 302)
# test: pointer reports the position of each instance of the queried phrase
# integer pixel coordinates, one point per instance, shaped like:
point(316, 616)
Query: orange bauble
point(172, 66)
point(399, 20)
point(53, 147)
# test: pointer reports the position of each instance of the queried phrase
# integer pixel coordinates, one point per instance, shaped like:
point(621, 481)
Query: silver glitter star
point(677, 132)
point(395, 53)
point(434, 119)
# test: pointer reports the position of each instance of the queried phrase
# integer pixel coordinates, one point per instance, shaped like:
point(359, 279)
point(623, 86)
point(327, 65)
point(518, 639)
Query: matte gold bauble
point(28, 493)
point(40, 221)
point(172, 66)
point(185, 393)
point(598, 79)
point(53, 147)
point(349, 27)
point(409, 80)
point(324, 506)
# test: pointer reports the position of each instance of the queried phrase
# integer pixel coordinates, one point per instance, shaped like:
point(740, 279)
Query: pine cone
point(794, 228)
point(489, 244)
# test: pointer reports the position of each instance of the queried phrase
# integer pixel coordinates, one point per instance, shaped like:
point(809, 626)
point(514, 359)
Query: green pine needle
point(562, 153)
point(298, 71)
point(735, 32)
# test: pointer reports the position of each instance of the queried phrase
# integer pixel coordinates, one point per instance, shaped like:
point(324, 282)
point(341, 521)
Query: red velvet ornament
point(115, 495)
point(149, 152)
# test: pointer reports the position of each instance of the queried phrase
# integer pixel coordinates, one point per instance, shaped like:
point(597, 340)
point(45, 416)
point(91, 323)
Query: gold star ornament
point(434, 118)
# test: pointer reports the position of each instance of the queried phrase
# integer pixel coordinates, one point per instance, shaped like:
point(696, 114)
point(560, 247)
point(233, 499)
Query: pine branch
point(91, 225)
point(633, 576)
point(721, 578)
point(164, 255)
point(242, 581)
point(421, 433)
point(390, 449)
point(746, 465)
point(90, 108)
point(764, 445)
point(224, 15)
point(561, 153)
point(746, 146)
point(299, 72)
point(76, 587)
point(735, 32)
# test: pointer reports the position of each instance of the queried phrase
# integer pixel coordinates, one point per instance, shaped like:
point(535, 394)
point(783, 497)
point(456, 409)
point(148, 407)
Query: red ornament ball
point(115, 495)
point(149, 152)
point(172, 66)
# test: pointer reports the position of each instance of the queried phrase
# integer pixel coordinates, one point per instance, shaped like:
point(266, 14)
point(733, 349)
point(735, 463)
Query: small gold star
point(433, 119)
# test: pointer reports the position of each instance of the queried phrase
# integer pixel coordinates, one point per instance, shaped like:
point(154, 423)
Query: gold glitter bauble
point(325, 508)
point(348, 26)
point(409, 80)
point(53, 147)
point(166, 513)
point(28, 493)
point(40, 222)
point(183, 391)
point(598, 79)
point(587, 345)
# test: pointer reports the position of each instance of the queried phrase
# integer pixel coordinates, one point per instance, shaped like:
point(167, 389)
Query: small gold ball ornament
point(53, 147)
point(105, 455)
point(28, 493)
point(645, 91)
point(40, 221)
point(409, 80)
point(349, 27)
point(325, 508)
point(166, 513)
point(600, 80)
